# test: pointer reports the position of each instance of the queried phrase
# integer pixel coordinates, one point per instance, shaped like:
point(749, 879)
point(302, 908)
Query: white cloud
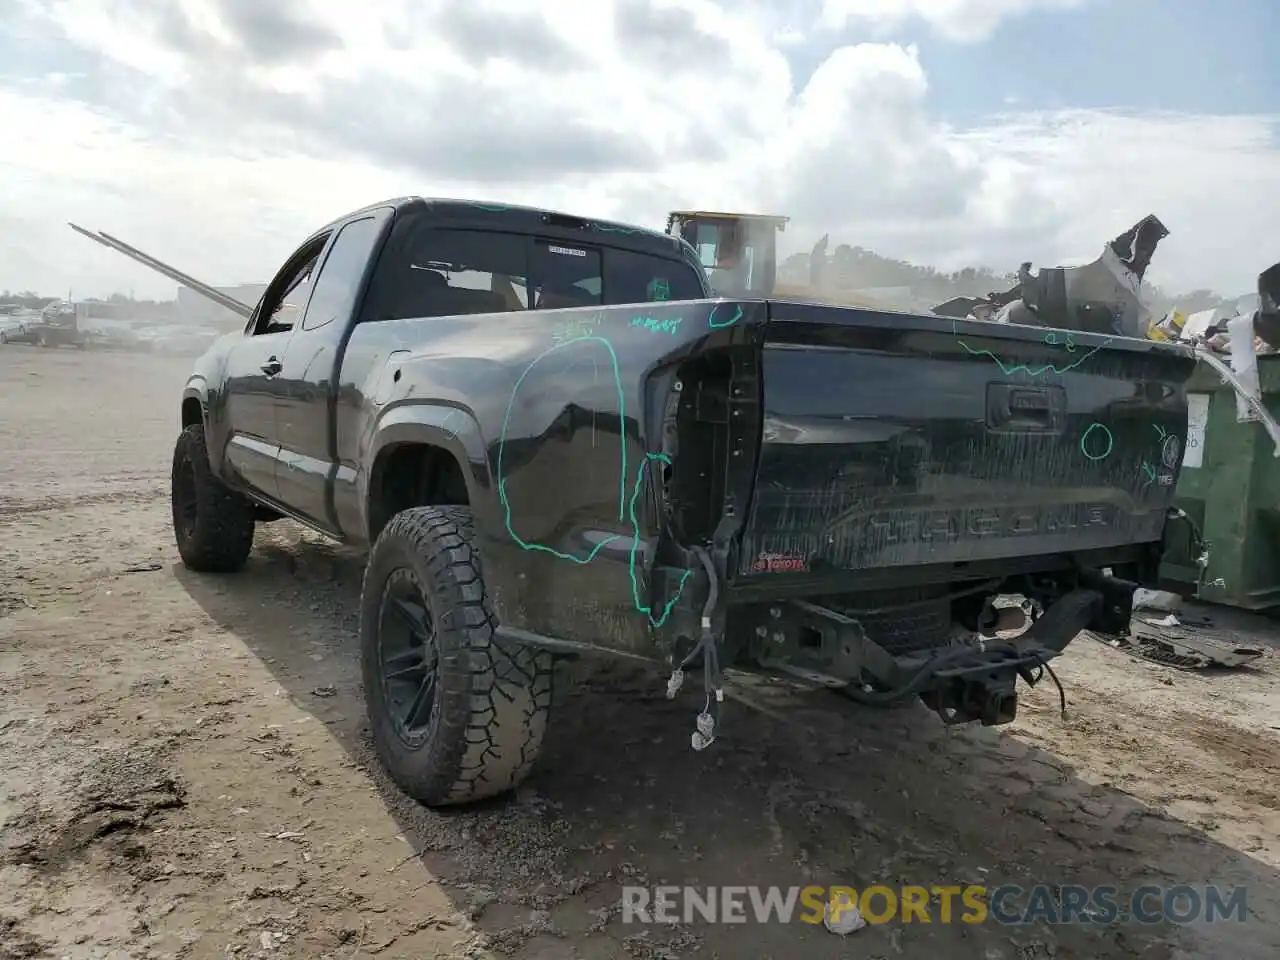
point(218, 133)
point(965, 21)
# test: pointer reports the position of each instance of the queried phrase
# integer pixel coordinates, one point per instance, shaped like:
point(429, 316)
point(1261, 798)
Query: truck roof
point(532, 219)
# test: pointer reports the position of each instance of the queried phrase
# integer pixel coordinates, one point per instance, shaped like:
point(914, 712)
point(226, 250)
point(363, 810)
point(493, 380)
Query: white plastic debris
point(842, 917)
point(1161, 600)
point(1244, 361)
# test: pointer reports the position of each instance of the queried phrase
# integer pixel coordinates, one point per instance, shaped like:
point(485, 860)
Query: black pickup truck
point(555, 442)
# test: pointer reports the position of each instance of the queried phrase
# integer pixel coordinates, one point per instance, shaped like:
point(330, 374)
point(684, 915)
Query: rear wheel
point(212, 523)
point(458, 714)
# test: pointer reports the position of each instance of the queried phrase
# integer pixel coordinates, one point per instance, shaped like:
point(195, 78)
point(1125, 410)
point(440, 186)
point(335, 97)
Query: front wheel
point(212, 523)
point(458, 714)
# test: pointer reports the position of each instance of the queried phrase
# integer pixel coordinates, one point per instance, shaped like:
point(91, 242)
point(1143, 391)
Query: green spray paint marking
point(1008, 369)
point(1084, 441)
point(711, 319)
point(658, 324)
point(635, 548)
point(575, 328)
point(626, 508)
point(1150, 472)
point(502, 443)
point(658, 289)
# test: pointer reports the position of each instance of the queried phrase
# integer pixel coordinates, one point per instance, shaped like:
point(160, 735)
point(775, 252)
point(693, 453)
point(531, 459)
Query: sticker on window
point(658, 289)
point(567, 251)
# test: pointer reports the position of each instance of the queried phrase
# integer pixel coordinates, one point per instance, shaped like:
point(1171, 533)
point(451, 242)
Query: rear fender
point(611, 457)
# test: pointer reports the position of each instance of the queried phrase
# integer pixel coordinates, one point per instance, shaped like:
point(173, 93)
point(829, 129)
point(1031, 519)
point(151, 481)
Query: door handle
point(272, 367)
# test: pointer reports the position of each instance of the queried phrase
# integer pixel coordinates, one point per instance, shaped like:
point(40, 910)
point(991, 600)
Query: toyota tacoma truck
point(554, 441)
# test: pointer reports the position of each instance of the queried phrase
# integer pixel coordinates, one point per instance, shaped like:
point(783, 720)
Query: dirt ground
point(184, 766)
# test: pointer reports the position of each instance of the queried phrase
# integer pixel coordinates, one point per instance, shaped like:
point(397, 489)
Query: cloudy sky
point(217, 133)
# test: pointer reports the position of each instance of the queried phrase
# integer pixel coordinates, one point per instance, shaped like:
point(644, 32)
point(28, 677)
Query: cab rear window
point(448, 272)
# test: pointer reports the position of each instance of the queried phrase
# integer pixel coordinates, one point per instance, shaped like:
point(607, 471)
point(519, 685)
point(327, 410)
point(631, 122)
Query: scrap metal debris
point(1104, 296)
point(1170, 642)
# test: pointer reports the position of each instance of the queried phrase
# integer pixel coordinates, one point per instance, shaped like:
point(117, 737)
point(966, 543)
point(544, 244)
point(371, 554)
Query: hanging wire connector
point(674, 683)
point(704, 733)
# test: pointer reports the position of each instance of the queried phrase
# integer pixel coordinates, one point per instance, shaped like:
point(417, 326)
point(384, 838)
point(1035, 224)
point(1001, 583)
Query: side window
point(439, 272)
point(287, 294)
point(334, 290)
point(565, 274)
point(641, 278)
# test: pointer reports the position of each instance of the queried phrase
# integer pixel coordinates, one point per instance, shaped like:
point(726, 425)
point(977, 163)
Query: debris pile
point(1104, 296)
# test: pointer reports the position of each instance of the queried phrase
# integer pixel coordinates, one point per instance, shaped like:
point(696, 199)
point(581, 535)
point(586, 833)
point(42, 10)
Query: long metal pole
point(217, 296)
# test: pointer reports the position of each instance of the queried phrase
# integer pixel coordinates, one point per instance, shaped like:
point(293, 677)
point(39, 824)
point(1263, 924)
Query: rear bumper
point(964, 682)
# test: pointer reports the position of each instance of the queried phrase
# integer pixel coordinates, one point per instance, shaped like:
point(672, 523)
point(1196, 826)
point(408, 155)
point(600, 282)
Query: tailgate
point(895, 439)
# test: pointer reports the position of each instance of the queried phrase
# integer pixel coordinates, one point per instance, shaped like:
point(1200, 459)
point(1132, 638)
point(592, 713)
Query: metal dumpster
point(1229, 486)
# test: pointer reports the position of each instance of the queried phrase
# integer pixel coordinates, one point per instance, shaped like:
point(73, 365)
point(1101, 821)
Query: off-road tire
point(492, 696)
point(221, 537)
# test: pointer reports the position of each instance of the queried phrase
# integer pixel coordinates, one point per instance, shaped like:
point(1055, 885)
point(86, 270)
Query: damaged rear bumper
point(971, 680)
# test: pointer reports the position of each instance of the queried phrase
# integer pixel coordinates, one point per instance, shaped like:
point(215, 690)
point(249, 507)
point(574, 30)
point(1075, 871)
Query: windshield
point(734, 254)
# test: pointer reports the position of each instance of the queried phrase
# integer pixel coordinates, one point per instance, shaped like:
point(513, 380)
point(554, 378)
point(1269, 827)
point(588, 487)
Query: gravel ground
point(185, 769)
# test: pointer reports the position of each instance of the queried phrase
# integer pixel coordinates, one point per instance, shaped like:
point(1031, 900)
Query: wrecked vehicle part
point(1100, 297)
point(1267, 321)
point(968, 678)
point(616, 462)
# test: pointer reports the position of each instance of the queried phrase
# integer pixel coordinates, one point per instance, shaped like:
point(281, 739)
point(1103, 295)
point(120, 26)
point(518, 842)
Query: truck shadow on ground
point(838, 794)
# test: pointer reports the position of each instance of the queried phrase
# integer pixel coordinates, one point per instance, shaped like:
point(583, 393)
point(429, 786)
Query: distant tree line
point(853, 268)
point(27, 299)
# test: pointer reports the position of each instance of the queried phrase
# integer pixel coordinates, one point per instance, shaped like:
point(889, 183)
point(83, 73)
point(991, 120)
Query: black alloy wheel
point(186, 501)
point(409, 654)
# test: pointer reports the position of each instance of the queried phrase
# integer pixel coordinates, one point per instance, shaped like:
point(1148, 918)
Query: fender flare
point(447, 426)
point(194, 390)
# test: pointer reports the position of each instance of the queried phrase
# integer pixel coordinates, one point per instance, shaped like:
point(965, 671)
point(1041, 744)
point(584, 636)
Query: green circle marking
point(1084, 442)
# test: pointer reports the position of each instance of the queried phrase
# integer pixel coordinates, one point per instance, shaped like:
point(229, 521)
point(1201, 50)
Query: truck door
point(249, 420)
point(306, 387)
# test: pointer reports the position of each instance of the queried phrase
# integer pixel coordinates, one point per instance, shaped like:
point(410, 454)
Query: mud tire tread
point(493, 696)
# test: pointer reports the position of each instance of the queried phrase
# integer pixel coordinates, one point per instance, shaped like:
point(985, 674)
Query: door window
point(286, 297)
point(334, 291)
